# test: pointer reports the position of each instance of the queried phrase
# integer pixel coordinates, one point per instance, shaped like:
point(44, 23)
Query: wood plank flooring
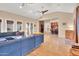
point(53, 46)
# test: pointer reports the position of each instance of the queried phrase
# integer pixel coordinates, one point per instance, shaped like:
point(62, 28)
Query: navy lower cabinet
point(38, 40)
point(9, 48)
point(20, 47)
point(41, 38)
point(27, 45)
point(4, 52)
point(16, 53)
point(16, 49)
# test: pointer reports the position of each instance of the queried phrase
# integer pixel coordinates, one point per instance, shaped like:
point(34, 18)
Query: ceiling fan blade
point(44, 11)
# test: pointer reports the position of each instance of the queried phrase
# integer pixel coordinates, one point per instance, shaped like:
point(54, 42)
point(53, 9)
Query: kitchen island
point(20, 47)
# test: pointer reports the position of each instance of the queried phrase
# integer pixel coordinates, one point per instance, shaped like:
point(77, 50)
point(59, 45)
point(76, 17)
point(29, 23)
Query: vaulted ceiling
point(33, 10)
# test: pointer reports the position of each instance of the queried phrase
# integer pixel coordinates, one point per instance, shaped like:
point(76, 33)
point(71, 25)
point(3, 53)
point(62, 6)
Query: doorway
point(41, 26)
point(54, 28)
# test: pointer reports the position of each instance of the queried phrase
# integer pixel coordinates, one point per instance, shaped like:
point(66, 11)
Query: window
point(19, 24)
point(9, 26)
point(29, 28)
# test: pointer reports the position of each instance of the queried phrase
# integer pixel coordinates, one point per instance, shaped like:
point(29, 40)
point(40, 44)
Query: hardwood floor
point(53, 46)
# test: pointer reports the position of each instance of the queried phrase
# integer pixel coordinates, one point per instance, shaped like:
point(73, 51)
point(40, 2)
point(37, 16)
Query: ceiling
point(32, 10)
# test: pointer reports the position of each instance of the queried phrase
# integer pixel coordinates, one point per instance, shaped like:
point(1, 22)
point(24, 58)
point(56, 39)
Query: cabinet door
point(8, 49)
point(16, 49)
point(4, 51)
point(27, 45)
point(16, 52)
point(37, 41)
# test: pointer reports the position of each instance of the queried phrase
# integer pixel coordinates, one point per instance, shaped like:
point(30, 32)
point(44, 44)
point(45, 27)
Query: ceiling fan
point(44, 11)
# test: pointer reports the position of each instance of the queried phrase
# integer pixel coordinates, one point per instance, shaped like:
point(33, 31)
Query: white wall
point(4, 16)
point(60, 17)
point(47, 26)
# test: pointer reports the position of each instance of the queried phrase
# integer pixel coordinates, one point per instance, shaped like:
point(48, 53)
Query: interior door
point(41, 26)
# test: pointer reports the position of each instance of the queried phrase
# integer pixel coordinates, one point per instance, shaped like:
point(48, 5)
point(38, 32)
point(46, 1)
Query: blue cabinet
point(15, 53)
point(38, 40)
point(16, 49)
point(21, 47)
point(7, 49)
point(27, 45)
point(4, 51)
